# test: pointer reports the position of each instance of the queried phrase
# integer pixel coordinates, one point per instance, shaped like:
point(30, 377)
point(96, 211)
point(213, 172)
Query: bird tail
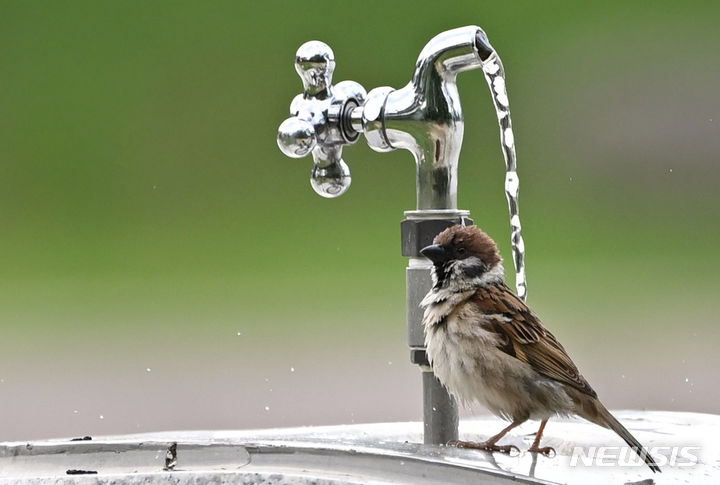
point(607, 420)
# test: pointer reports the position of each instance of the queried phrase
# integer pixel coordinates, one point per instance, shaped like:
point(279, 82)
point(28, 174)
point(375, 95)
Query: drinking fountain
point(424, 117)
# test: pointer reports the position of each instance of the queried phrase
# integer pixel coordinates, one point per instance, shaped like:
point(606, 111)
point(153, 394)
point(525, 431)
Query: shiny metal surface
point(372, 121)
point(370, 453)
point(315, 125)
point(425, 117)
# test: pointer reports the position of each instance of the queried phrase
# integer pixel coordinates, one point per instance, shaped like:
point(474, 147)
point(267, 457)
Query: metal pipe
point(424, 117)
point(440, 411)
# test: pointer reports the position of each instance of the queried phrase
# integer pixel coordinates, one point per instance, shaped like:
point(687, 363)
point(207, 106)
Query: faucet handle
point(320, 121)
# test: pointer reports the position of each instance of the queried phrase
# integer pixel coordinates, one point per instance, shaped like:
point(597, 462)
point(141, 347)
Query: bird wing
point(525, 338)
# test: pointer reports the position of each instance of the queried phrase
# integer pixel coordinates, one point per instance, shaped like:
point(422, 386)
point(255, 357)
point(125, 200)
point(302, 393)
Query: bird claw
point(545, 450)
point(484, 446)
point(503, 449)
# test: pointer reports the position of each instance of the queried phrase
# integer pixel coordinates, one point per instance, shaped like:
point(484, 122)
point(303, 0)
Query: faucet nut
point(372, 119)
point(348, 95)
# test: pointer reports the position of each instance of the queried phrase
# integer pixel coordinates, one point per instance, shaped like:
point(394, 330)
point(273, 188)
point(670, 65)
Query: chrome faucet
point(424, 117)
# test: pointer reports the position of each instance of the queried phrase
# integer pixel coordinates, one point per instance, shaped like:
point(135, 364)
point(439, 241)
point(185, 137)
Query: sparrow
point(486, 346)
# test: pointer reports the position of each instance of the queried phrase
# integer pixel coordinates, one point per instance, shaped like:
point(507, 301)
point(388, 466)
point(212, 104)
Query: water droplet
point(102, 417)
point(75, 411)
point(509, 138)
point(267, 380)
point(148, 369)
point(512, 183)
point(239, 334)
point(434, 408)
point(491, 67)
point(154, 187)
point(267, 408)
point(292, 369)
point(389, 362)
point(687, 379)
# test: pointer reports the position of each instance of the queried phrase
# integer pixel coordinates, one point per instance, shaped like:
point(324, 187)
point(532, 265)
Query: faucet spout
point(425, 117)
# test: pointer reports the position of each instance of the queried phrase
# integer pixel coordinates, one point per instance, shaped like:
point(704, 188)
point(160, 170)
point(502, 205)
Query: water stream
point(495, 76)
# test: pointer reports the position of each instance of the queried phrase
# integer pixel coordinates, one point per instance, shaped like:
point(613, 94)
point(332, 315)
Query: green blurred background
point(164, 266)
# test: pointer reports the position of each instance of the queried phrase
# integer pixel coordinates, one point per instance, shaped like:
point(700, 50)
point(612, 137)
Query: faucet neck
point(425, 117)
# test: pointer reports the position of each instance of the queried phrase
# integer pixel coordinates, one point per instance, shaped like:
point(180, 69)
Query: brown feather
point(474, 240)
point(594, 411)
point(529, 340)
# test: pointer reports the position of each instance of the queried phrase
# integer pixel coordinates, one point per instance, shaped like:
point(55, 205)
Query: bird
point(486, 346)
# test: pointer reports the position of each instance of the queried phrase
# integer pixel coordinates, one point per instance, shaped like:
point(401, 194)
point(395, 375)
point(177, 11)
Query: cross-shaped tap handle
point(317, 119)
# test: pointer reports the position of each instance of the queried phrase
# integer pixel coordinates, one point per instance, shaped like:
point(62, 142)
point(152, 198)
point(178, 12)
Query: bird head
point(464, 257)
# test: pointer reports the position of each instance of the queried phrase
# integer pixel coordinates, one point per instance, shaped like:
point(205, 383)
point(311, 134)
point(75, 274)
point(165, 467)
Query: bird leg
point(535, 448)
point(489, 444)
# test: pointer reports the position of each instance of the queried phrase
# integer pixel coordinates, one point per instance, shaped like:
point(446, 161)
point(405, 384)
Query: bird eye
point(461, 251)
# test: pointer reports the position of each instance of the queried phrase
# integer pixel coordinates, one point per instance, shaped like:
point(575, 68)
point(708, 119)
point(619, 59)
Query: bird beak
point(435, 253)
